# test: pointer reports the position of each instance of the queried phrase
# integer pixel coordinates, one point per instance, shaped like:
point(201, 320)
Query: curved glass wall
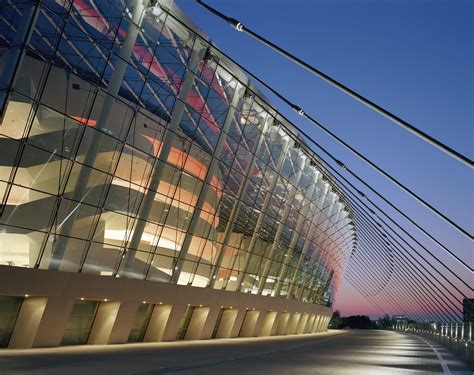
point(140, 152)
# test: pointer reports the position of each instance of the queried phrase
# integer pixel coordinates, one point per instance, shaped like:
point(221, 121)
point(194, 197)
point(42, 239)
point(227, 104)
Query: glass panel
point(140, 325)
point(184, 323)
point(80, 322)
point(9, 311)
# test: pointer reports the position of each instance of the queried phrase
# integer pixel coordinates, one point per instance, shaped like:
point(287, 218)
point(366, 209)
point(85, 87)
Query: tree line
point(359, 322)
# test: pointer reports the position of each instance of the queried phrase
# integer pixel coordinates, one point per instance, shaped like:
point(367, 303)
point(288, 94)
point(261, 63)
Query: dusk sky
point(415, 58)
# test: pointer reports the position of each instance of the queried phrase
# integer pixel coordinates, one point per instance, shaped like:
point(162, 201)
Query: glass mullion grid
point(266, 144)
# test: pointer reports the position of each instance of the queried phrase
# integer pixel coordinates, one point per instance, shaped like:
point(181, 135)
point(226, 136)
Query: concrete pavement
point(336, 352)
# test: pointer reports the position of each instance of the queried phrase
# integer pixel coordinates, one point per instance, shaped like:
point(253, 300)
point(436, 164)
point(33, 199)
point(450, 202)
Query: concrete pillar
point(267, 323)
point(302, 324)
point(124, 322)
point(275, 324)
point(13, 57)
point(28, 322)
point(324, 324)
point(227, 322)
point(239, 320)
point(158, 323)
point(314, 329)
point(53, 322)
point(210, 323)
point(249, 323)
point(259, 323)
point(315, 323)
point(282, 325)
point(103, 323)
point(309, 324)
point(196, 325)
point(321, 324)
point(172, 325)
point(293, 324)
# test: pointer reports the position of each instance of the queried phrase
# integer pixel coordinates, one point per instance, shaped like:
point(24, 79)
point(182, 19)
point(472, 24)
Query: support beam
point(227, 322)
point(13, 58)
point(268, 258)
point(103, 323)
point(211, 172)
point(293, 323)
point(267, 324)
point(197, 322)
point(174, 316)
point(124, 321)
point(282, 323)
point(250, 321)
point(197, 54)
point(268, 196)
point(54, 320)
point(235, 209)
point(28, 322)
point(80, 189)
point(308, 240)
point(296, 235)
point(158, 323)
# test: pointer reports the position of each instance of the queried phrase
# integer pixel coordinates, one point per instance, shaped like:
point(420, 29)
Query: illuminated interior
point(241, 203)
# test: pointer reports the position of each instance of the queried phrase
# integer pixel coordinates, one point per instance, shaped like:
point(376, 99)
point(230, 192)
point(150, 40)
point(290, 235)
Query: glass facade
point(129, 147)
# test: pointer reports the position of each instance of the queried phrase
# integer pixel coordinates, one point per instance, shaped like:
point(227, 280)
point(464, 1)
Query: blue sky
point(413, 57)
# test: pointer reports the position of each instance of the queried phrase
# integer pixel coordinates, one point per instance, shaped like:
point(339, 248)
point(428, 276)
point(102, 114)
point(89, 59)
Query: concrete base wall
point(51, 295)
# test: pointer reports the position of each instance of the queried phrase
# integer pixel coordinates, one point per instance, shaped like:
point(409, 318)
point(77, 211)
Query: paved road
point(336, 352)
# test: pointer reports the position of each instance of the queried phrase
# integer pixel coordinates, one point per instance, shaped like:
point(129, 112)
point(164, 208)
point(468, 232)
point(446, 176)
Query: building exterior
point(148, 191)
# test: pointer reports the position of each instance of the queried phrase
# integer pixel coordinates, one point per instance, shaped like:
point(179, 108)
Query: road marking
point(444, 365)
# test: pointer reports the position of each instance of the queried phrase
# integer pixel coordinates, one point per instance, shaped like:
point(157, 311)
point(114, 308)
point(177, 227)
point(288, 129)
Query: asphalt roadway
point(336, 352)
